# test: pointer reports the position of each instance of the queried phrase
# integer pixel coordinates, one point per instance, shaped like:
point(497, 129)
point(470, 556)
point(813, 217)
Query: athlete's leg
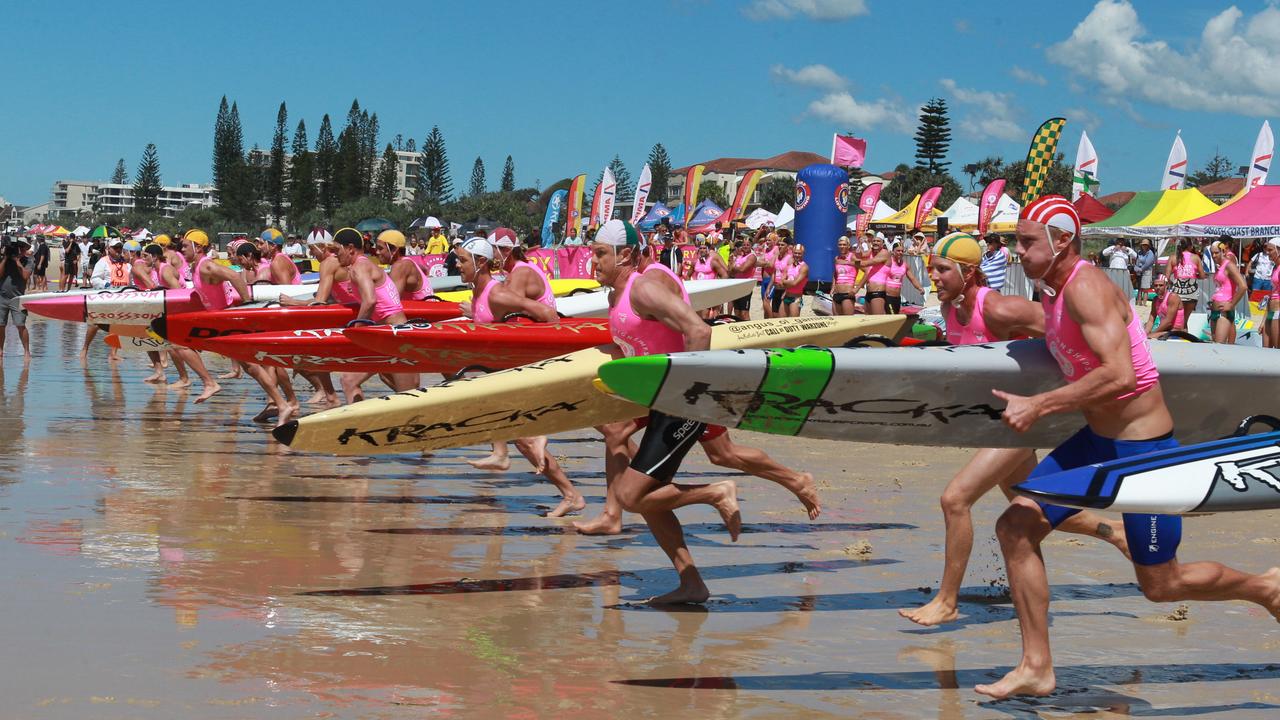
point(234, 372)
point(987, 468)
point(351, 382)
point(267, 381)
point(157, 370)
point(550, 469)
point(89, 334)
point(499, 459)
point(193, 359)
point(723, 451)
point(618, 451)
point(1020, 529)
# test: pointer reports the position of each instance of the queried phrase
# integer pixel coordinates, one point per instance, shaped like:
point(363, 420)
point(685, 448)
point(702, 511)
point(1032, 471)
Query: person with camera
point(18, 266)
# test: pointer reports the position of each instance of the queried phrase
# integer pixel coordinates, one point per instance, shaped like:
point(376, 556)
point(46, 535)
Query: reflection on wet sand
point(396, 585)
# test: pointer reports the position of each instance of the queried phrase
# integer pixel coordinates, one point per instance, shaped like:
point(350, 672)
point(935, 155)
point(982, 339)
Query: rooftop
point(1226, 187)
point(790, 161)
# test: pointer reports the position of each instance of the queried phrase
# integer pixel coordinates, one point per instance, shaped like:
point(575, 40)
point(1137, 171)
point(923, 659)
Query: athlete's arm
point(1233, 272)
point(215, 272)
point(280, 265)
point(169, 278)
point(717, 264)
point(141, 279)
point(1095, 304)
point(1166, 323)
point(362, 276)
point(506, 298)
point(1009, 315)
point(399, 273)
point(657, 299)
point(912, 277)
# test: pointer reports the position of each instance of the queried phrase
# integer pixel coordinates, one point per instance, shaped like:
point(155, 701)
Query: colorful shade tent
point(963, 214)
point(883, 210)
point(786, 216)
point(1255, 214)
point(1154, 214)
point(705, 216)
point(1092, 211)
point(654, 216)
point(759, 217)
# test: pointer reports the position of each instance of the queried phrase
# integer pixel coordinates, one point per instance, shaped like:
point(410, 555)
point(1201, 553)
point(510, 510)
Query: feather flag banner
point(746, 187)
point(642, 194)
point(867, 204)
point(1263, 148)
point(692, 180)
point(990, 200)
point(573, 210)
point(1085, 178)
point(1175, 170)
point(607, 191)
point(1044, 144)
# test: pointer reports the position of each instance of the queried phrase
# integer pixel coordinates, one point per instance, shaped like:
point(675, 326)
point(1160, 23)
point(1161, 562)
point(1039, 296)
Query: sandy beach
point(169, 560)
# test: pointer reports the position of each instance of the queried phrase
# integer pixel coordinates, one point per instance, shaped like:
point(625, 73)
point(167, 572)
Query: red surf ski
point(196, 328)
point(494, 346)
point(313, 350)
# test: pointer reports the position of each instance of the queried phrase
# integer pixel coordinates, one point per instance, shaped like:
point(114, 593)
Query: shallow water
point(165, 559)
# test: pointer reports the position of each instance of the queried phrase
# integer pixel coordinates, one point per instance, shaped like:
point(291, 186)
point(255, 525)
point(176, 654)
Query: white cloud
point(813, 9)
point(1233, 68)
point(842, 109)
point(1027, 76)
point(819, 76)
point(993, 116)
point(1083, 116)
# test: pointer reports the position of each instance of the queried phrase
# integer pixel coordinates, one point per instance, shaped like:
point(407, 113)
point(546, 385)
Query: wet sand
point(165, 560)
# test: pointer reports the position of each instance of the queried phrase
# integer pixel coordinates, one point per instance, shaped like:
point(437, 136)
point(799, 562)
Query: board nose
point(286, 432)
point(638, 379)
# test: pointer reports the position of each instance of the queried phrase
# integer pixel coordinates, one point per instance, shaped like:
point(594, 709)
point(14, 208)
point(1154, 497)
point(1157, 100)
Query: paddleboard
point(1229, 475)
point(939, 396)
point(542, 398)
point(319, 350)
point(136, 344)
point(193, 329)
point(140, 307)
point(493, 346)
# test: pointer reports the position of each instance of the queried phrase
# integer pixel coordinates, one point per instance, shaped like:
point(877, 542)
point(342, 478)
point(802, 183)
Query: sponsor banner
point(432, 265)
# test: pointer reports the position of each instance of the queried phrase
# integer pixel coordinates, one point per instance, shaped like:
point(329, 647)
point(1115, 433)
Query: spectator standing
point(40, 266)
point(1143, 270)
point(437, 244)
point(16, 273)
point(1119, 256)
point(995, 262)
point(294, 249)
point(1260, 269)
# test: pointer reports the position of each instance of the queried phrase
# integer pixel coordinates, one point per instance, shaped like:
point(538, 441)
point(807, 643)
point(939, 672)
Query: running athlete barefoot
point(1097, 339)
point(719, 448)
point(193, 244)
point(976, 314)
point(650, 313)
point(492, 301)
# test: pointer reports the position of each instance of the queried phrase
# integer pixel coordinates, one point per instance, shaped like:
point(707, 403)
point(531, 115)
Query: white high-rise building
point(71, 196)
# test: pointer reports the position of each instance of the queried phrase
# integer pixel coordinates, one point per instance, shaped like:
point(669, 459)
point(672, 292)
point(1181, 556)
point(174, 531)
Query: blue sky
point(564, 86)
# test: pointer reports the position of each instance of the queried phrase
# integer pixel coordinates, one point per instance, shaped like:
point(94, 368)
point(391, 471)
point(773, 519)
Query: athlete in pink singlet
point(898, 271)
point(742, 265)
point(411, 282)
point(843, 295)
point(875, 273)
point(1229, 290)
point(1271, 320)
point(1095, 335)
point(493, 300)
point(1166, 310)
point(976, 314)
point(279, 270)
point(208, 285)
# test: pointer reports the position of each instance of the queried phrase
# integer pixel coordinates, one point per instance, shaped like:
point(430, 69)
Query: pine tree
point(221, 156)
point(660, 167)
point(933, 137)
point(385, 185)
point(120, 176)
point(434, 183)
point(626, 187)
point(146, 185)
point(410, 145)
point(477, 186)
point(369, 148)
point(327, 166)
point(276, 173)
point(349, 168)
point(302, 179)
point(509, 175)
point(1219, 167)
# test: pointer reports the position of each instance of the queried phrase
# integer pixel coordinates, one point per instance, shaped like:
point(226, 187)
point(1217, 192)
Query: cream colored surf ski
point(543, 398)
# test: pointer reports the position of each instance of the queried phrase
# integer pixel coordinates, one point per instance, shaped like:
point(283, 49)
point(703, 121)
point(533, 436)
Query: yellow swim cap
point(959, 247)
point(394, 238)
point(162, 240)
point(197, 237)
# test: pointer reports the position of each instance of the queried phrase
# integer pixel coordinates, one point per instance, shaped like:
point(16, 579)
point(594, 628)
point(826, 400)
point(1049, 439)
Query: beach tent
point(963, 215)
point(883, 210)
point(1154, 214)
point(705, 216)
point(1092, 211)
point(80, 231)
point(786, 216)
point(961, 212)
point(654, 216)
point(759, 217)
point(1256, 214)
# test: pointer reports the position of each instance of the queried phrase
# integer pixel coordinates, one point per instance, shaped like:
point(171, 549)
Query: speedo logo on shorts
point(681, 432)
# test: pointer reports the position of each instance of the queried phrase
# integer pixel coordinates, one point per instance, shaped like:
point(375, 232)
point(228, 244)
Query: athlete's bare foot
point(323, 398)
point(1272, 577)
point(209, 391)
point(113, 357)
point(936, 612)
point(602, 524)
point(491, 462)
point(727, 506)
point(286, 414)
point(155, 378)
point(1020, 681)
point(230, 374)
point(693, 595)
point(568, 505)
point(179, 384)
point(538, 449)
point(266, 413)
point(807, 493)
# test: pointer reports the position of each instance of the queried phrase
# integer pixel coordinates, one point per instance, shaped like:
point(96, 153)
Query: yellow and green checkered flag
point(1040, 158)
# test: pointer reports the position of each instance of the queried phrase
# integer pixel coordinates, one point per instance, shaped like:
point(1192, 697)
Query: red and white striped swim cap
point(1055, 211)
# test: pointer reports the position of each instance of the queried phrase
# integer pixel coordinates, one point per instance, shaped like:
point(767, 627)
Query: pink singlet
point(1163, 308)
point(183, 268)
point(425, 291)
point(702, 269)
point(1186, 269)
point(767, 259)
point(344, 292)
point(386, 298)
point(548, 296)
point(878, 274)
point(896, 272)
point(975, 333)
point(737, 262)
point(1066, 342)
point(482, 313)
point(792, 274)
point(1225, 287)
point(845, 274)
point(1275, 284)
point(634, 334)
point(216, 296)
